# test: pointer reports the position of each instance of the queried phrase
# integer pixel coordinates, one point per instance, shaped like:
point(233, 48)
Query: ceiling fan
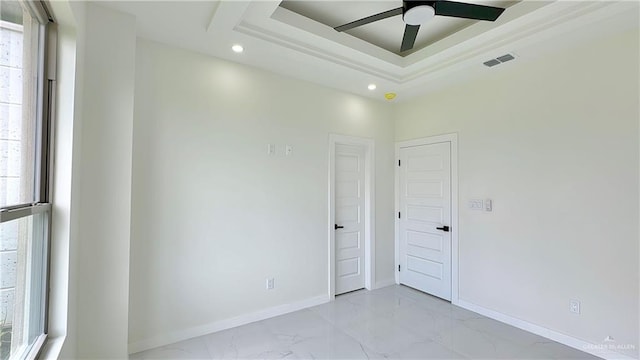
point(415, 13)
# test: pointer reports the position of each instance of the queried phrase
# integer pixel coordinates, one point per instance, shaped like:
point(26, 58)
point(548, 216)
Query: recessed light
point(371, 86)
point(237, 48)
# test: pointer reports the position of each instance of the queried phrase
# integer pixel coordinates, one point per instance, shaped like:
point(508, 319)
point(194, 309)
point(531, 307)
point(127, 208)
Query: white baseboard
point(384, 283)
point(180, 335)
point(571, 341)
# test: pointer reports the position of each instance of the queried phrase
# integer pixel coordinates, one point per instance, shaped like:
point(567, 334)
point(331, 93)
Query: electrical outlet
point(288, 150)
point(574, 306)
point(270, 284)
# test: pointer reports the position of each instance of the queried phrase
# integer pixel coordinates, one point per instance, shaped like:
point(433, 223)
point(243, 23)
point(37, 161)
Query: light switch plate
point(271, 149)
point(476, 204)
point(488, 205)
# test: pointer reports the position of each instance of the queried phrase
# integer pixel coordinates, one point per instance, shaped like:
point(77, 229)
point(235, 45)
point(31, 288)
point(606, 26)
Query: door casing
point(369, 209)
point(453, 139)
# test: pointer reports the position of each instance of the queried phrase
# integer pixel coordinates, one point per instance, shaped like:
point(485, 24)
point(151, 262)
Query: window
point(25, 211)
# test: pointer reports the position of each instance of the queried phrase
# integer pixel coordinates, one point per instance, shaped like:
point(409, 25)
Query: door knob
point(336, 227)
point(444, 228)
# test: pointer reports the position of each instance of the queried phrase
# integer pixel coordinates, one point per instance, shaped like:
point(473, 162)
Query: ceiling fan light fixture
point(418, 15)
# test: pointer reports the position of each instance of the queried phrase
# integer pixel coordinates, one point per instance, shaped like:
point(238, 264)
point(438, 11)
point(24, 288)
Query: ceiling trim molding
point(317, 52)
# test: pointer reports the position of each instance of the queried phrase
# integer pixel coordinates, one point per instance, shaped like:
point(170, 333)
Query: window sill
point(52, 348)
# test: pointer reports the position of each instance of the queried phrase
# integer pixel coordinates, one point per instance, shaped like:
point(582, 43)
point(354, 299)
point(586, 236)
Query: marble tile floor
point(394, 322)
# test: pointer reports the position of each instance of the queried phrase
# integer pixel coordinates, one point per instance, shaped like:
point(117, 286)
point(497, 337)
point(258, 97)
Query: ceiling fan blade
point(409, 38)
point(467, 11)
point(369, 19)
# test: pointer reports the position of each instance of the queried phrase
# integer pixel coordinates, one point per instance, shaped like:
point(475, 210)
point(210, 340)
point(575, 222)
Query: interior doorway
point(426, 222)
point(351, 214)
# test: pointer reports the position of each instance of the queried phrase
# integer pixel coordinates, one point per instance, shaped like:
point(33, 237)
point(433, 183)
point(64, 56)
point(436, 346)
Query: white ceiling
point(308, 48)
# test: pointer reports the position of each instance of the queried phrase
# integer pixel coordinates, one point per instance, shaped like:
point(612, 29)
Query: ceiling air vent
point(499, 60)
point(505, 58)
point(492, 62)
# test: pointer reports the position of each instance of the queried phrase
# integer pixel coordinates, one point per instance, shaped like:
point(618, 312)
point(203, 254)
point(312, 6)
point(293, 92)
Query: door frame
point(369, 209)
point(453, 140)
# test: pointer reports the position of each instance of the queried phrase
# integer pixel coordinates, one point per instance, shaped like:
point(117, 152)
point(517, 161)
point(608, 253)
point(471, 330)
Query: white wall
point(212, 214)
point(101, 184)
point(554, 143)
point(59, 295)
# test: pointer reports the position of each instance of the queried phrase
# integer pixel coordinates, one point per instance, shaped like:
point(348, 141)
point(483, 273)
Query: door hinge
point(398, 267)
point(398, 162)
point(399, 215)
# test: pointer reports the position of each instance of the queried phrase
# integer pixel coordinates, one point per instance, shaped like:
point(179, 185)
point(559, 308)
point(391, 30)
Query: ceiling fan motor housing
point(417, 12)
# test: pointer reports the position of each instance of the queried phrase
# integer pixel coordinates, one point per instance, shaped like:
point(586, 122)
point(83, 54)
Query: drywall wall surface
point(213, 215)
point(554, 143)
point(101, 188)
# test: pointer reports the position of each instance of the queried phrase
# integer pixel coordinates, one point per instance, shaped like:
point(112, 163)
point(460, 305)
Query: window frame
point(43, 161)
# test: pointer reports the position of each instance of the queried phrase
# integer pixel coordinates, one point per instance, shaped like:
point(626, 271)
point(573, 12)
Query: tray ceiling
point(297, 38)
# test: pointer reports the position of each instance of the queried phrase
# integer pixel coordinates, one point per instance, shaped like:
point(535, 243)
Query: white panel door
point(349, 215)
point(425, 217)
